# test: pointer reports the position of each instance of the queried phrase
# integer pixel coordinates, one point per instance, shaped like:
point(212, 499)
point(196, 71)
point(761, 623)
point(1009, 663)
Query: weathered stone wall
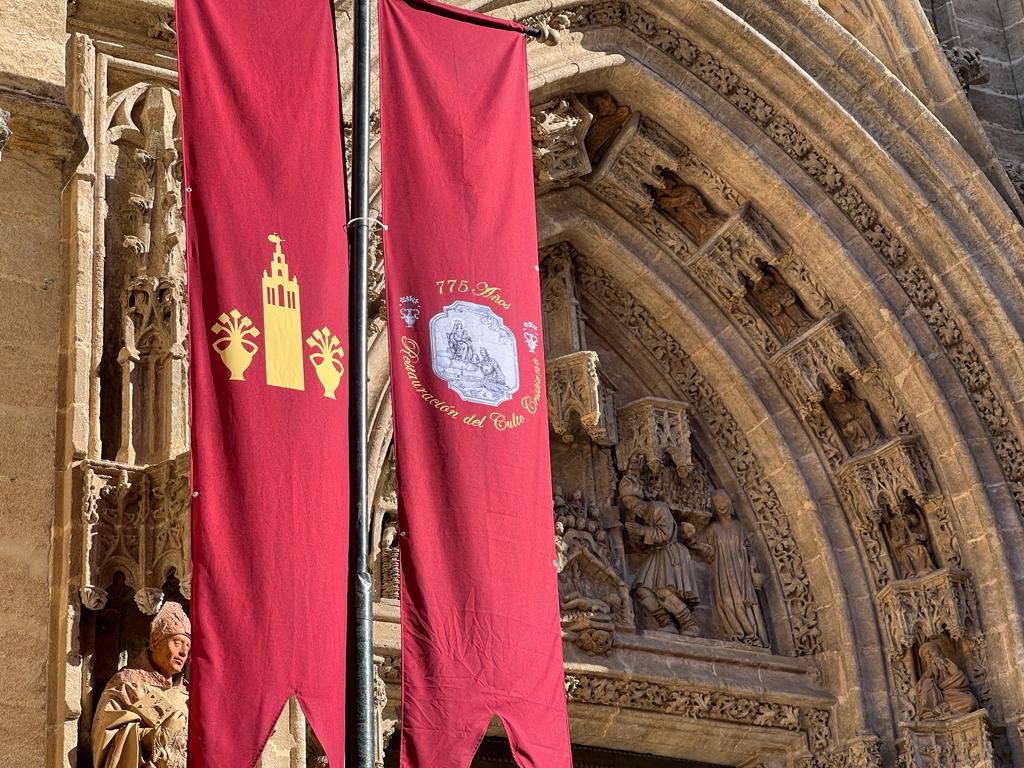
point(43, 144)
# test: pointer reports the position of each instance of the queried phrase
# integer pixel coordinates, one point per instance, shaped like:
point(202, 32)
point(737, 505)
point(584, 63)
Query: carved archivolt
point(908, 268)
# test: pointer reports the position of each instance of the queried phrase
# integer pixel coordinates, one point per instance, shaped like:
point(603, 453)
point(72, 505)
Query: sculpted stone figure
point(609, 117)
point(688, 208)
point(734, 603)
point(665, 583)
point(854, 420)
point(142, 717)
point(779, 304)
point(910, 545)
point(942, 689)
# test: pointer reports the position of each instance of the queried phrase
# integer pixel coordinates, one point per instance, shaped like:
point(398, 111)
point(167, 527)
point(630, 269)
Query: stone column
point(286, 747)
point(41, 144)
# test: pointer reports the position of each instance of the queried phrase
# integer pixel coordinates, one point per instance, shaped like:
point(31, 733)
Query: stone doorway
point(494, 753)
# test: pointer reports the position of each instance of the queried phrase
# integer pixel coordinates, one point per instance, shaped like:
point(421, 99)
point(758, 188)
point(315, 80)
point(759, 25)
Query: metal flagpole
point(361, 738)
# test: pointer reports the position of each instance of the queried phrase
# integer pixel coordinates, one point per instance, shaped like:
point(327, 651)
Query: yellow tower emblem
point(282, 322)
point(282, 335)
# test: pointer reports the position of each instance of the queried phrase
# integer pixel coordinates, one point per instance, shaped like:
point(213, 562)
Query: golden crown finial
point(276, 239)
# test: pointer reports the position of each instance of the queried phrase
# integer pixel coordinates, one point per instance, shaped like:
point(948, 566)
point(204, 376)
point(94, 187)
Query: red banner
point(267, 261)
point(480, 621)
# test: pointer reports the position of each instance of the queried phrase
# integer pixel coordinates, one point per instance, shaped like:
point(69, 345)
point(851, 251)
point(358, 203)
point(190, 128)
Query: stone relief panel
point(597, 286)
point(146, 268)
point(134, 522)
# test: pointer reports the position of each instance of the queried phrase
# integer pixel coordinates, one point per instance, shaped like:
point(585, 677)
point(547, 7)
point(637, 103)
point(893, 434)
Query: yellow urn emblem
point(281, 335)
point(234, 348)
point(327, 359)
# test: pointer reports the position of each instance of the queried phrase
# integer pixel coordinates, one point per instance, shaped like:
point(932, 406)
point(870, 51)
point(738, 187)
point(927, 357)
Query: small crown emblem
point(531, 335)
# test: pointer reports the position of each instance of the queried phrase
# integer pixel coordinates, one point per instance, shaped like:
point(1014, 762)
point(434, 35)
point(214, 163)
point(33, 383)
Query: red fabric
point(480, 622)
point(263, 155)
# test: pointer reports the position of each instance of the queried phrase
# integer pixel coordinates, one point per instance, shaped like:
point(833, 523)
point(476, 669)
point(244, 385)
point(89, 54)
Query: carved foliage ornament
point(910, 271)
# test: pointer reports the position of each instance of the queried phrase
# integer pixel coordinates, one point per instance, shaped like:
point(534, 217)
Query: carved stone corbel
point(656, 430)
point(924, 607)
point(893, 468)
point(963, 742)
point(967, 64)
point(576, 388)
point(821, 358)
point(728, 263)
point(558, 129)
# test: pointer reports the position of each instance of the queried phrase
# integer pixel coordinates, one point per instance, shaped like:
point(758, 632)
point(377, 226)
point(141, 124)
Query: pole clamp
point(370, 220)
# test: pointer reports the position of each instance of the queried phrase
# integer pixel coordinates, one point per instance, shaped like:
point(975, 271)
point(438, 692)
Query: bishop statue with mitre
point(142, 718)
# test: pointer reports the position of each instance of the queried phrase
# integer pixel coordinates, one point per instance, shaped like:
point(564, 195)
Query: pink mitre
point(170, 621)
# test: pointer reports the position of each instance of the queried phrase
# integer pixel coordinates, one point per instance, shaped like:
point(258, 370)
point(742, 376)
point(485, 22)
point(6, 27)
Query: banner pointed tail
point(480, 619)
point(267, 258)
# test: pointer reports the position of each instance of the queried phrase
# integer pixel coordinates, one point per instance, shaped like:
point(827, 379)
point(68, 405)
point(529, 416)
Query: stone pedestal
point(961, 742)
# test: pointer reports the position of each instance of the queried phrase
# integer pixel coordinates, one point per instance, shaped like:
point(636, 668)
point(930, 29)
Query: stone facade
point(780, 262)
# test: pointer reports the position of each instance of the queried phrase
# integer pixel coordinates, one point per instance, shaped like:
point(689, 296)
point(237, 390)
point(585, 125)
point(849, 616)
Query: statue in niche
point(853, 419)
point(779, 304)
point(909, 540)
point(665, 583)
point(609, 118)
point(686, 206)
point(735, 577)
point(942, 689)
point(142, 717)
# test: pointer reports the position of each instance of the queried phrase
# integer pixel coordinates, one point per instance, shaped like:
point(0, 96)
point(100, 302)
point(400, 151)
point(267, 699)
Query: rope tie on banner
point(370, 220)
